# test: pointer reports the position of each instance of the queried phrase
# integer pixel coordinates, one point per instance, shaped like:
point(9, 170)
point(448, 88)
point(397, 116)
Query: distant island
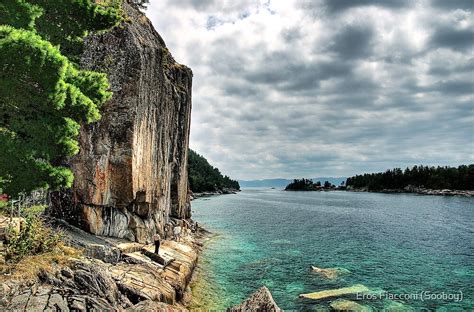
point(282, 183)
point(204, 178)
point(309, 185)
point(418, 179)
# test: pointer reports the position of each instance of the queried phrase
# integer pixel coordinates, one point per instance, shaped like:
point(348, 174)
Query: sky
point(305, 88)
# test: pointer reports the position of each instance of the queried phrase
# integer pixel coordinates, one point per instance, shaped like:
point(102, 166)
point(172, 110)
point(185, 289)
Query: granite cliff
point(131, 172)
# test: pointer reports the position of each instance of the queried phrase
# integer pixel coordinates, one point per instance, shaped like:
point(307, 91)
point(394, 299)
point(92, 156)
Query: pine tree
point(44, 96)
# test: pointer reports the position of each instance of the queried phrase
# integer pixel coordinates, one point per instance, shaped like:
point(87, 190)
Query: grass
point(36, 248)
point(34, 237)
point(28, 268)
point(35, 211)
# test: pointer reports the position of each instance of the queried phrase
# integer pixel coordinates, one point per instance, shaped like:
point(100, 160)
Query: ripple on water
point(399, 243)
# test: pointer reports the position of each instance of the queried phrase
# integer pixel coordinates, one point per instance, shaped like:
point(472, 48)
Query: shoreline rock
point(132, 282)
point(225, 191)
point(261, 300)
point(410, 189)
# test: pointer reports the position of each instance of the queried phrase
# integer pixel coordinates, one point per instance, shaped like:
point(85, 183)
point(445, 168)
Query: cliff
point(131, 172)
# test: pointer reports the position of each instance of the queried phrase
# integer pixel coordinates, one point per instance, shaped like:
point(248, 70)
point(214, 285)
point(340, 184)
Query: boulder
point(261, 301)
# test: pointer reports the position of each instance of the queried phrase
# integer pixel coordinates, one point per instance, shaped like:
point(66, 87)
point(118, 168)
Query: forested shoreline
point(203, 177)
point(425, 177)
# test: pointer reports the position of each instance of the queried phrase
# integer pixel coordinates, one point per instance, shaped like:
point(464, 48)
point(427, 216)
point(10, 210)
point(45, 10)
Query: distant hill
point(203, 177)
point(282, 183)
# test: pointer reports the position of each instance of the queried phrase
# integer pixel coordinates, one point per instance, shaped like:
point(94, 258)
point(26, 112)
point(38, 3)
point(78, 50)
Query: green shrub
point(35, 237)
point(34, 211)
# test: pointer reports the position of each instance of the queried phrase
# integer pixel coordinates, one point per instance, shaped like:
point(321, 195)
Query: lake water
point(401, 244)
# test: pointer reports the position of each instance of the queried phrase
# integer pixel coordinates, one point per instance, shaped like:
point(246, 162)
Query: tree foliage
point(307, 185)
point(301, 185)
point(63, 23)
point(44, 96)
point(460, 178)
point(205, 178)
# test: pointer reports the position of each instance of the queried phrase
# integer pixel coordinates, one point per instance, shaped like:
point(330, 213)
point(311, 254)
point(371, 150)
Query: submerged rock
point(330, 273)
point(347, 305)
point(395, 306)
point(352, 290)
point(261, 301)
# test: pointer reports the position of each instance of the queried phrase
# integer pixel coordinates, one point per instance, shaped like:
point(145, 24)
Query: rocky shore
point(224, 191)
point(112, 275)
point(418, 190)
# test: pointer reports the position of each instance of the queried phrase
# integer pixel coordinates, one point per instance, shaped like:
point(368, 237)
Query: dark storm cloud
point(456, 39)
point(304, 75)
point(354, 41)
point(342, 5)
point(443, 69)
point(339, 6)
point(241, 89)
point(459, 87)
point(453, 4)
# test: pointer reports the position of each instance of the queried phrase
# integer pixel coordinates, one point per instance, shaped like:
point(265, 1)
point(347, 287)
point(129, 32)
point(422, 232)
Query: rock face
point(131, 171)
point(261, 301)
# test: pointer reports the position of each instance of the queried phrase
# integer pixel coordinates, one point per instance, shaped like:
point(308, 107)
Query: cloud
point(453, 4)
point(311, 88)
point(457, 39)
point(342, 5)
point(354, 41)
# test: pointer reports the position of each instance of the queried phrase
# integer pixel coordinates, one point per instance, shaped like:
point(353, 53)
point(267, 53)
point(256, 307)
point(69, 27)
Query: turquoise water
point(401, 244)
